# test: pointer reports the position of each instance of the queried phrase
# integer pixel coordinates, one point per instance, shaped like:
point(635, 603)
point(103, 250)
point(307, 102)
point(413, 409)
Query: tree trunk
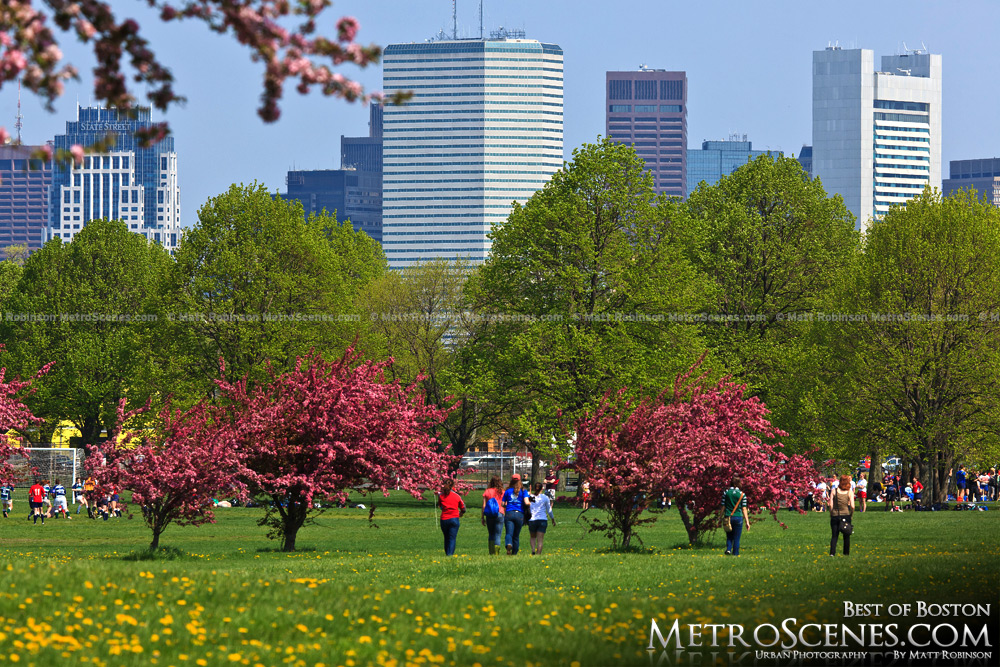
point(535, 464)
point(155, 544)
point(294, 517)
point(91, 429)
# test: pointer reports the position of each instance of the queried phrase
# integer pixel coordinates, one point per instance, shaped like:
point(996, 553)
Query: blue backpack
point(492, 507)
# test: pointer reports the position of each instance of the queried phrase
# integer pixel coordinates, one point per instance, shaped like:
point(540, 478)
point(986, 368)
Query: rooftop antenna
point(17, 121)
point(454, 19)
point(480, 19)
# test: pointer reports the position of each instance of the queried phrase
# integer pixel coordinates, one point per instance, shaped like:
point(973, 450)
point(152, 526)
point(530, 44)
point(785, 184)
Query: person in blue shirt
point(961, 481)
point(7, 499)
point(515, 499)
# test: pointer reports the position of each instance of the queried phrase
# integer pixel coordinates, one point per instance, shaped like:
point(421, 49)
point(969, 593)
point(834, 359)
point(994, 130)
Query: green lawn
point(357, 595)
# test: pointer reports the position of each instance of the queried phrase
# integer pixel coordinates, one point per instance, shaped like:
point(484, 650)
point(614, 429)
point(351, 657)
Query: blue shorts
point(537, 525)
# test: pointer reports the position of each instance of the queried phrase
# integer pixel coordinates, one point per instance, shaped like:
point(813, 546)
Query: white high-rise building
point(484, 128)
point(131, 183)
point(876, 134)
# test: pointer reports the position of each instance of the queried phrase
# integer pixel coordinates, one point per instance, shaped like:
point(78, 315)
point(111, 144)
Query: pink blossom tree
point(174, 471)
point(13, 415)
point(29, 50)
point(689, 442)
point(312, 434)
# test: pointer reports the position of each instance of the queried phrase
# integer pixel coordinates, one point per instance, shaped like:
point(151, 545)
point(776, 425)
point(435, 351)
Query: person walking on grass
point(515, 499)
point(734, 508)
point(841, 511)
point(493, 513)
point(452, 508)
point(541, 510)
point(36, 496)
point(862, 491)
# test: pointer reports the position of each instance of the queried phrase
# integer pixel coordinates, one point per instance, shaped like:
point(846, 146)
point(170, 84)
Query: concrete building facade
point(647, 109)
point(876, 132)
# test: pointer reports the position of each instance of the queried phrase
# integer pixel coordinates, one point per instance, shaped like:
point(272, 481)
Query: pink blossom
point(4, 136)
point(76, 150)
point(85, 29)
point(46, 152)
point(347, 29)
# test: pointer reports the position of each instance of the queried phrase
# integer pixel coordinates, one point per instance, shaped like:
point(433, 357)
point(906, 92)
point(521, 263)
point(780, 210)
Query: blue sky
point(748, 66)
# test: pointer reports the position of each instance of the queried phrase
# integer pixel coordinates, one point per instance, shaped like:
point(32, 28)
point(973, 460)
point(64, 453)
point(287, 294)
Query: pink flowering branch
point(29, 50)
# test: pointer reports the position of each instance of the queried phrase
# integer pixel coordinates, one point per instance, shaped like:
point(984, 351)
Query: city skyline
point(748, 66)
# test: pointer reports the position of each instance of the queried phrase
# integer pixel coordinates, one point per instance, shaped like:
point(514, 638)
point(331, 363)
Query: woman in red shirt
point(452, 507)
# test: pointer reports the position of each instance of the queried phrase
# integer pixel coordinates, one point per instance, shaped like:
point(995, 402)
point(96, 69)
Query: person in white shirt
point(541, 510)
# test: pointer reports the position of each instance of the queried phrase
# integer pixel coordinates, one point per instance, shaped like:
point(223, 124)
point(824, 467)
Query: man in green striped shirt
point(734, 505)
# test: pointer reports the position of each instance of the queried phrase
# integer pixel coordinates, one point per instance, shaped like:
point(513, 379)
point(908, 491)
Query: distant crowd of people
point(892, 489)
point(47, 501)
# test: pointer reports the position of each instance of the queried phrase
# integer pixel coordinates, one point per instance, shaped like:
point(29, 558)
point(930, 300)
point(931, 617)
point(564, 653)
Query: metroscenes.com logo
point(916, 634)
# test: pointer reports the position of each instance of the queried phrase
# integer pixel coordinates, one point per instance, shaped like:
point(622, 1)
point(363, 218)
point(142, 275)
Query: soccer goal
point(51, 463)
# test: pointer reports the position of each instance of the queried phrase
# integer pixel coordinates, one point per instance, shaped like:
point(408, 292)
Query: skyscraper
point(364, 153)
point(983, 175)
point(484, 128)
point(353, 192)
point(128, 183)
point(716, 159)
point(648, 108)
point(24, 197)
point(876, 134)
point(347, 193)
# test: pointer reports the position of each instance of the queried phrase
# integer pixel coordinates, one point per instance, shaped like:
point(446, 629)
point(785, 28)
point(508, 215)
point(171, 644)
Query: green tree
point(419, 319)
point(92, 307)
point(921, 360)
point(579, 290)
point(256, 283)
point(773, 244)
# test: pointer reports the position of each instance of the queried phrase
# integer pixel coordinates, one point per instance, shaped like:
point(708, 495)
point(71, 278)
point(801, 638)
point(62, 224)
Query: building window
point(670, 108)
point(671, 90)
point(620, 90)
point(645, 90)
point(620, 108)
point(645, 108)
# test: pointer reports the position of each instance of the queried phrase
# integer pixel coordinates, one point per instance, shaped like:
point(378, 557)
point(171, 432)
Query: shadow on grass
point(163, 553)
point(631, 549)
point(277, 550)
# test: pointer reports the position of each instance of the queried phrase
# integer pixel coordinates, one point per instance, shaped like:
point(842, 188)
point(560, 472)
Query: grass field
point(357, 595)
